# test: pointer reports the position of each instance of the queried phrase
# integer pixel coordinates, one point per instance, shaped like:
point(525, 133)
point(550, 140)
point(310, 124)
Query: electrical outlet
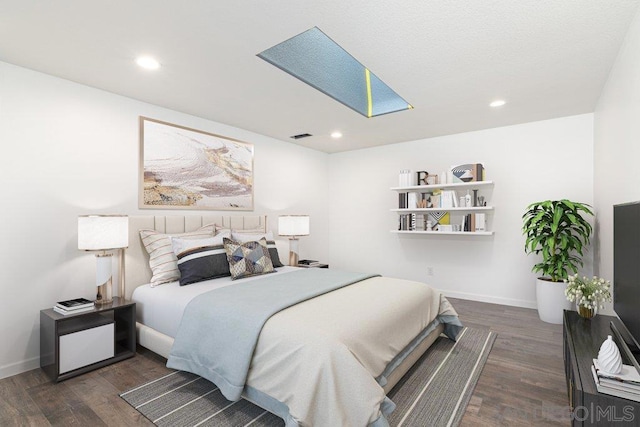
point(429, 271)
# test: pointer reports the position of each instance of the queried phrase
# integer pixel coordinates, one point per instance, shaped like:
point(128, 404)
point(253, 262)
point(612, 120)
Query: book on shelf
point(412, 200)
point(480, 222)
point(608, 389)
point(308, 261)
point(68, 312)
point(401, 200)
point(478, 172)
point(448, 199)
point(74, 304)
point(472, 222)
point(436, 200)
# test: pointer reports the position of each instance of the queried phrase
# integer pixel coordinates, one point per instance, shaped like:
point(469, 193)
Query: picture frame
point(186, 168)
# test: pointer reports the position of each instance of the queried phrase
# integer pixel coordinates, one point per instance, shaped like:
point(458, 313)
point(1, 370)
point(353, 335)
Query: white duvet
point(321, 357)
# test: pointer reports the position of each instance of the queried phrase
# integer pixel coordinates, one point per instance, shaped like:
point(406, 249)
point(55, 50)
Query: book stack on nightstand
point(73, 306)
point(310, 263)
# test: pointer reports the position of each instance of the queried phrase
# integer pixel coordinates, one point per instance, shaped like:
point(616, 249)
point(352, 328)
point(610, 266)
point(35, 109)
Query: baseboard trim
point(19, 367)
point(491, 299)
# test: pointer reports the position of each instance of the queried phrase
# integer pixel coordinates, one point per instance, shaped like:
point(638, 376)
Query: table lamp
point(293, 226)
point(103, 233)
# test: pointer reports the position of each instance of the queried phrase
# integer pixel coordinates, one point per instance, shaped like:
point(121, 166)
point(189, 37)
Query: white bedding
point(162, 307)
point(320, 358)
point(340, 351)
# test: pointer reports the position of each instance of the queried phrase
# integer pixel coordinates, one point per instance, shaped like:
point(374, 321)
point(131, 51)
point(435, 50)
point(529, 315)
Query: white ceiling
point(547, 58)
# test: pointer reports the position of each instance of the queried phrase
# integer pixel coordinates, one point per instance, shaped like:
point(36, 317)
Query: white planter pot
point(551, 300)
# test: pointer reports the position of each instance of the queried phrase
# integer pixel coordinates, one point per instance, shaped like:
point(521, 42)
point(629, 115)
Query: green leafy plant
point(557, 230)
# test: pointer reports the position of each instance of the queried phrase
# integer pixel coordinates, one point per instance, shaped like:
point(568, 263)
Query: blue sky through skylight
point(321, 63)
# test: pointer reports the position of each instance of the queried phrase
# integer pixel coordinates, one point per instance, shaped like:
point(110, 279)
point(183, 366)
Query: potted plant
point(557, 230)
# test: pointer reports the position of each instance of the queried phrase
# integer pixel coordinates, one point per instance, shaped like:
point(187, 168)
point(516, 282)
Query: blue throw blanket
point(220, 329)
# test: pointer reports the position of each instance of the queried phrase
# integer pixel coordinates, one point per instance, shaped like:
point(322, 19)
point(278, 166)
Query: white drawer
point(86, 347)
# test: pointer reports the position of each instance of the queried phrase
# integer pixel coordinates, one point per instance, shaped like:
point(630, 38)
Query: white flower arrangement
point(589, 293)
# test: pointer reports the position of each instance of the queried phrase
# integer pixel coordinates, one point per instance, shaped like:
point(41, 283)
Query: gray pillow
point(202, 263)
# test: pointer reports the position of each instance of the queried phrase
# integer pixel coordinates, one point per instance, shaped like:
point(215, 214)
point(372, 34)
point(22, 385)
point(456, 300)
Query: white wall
point(69, 150)
point(530, 162)
point(617, 144)
point(72, 150)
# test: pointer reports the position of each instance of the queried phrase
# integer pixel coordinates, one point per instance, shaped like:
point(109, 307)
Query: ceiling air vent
point(301, 135)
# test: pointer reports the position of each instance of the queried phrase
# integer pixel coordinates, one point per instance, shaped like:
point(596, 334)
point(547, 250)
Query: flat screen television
point(626, 275)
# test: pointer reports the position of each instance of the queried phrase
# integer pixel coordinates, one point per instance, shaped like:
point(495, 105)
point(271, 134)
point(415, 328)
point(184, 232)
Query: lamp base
point(104, 294)
point(293, 252)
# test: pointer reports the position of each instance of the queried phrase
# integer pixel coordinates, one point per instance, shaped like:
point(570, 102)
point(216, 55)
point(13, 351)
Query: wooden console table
point(582, 340)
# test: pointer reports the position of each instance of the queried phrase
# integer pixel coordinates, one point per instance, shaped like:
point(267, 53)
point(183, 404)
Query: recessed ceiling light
point(498, 103)
point(148, 62)
point(336, 134)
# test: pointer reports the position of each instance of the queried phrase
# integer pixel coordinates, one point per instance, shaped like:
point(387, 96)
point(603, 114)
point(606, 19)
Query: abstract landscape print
point(183, 168)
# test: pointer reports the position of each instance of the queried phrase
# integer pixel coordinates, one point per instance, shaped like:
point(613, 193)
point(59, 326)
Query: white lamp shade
point(293, 225)
point(103, 232)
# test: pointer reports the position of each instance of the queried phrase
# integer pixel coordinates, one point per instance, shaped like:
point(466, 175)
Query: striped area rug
point(435, 392)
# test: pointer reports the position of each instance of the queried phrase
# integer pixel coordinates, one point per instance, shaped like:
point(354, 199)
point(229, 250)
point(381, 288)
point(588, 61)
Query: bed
point(385, 331)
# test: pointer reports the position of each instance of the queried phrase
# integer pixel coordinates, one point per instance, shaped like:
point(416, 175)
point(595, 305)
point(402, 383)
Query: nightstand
point(313, 266)
point(77, 343)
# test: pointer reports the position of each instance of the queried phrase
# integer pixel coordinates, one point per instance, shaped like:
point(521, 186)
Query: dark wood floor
point(521, 384)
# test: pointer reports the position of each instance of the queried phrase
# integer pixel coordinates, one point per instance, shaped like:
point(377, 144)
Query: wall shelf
point(469, 209)
point(445, 233)
point(466, 216)
point(452, 186)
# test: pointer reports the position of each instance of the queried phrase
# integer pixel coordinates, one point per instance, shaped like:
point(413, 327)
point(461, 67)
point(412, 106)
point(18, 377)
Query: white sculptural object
point(609, 357)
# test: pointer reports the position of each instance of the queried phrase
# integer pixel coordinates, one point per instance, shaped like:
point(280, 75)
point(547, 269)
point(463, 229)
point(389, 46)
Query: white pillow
point(180, 244)
point(162, 260)
point(243, 237)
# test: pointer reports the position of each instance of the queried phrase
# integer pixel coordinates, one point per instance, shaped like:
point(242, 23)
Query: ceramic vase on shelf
point(609, 357)
point(586, 312)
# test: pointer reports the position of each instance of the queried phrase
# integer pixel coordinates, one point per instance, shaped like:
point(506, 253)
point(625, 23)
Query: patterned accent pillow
point(162, 260)
point(248, 259)
point(246, 236)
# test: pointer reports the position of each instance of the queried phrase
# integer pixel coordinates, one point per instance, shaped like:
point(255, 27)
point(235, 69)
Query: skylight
point(321, 63)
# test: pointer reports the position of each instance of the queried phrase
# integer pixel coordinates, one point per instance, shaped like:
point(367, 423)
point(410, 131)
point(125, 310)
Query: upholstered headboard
point(137, 271)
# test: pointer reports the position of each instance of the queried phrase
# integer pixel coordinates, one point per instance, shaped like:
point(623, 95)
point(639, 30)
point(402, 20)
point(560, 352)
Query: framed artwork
point(184, 168)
